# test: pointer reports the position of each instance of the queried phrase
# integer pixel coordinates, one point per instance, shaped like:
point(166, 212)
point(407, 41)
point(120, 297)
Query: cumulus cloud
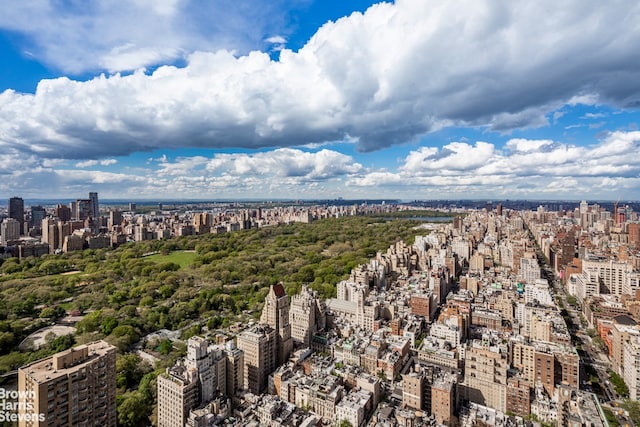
point(90, 163)
point(384, 77)
point(523, 168)
point(286, 163)
point(518, 168)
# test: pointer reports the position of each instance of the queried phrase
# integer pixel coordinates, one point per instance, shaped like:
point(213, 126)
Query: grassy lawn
point(182, 258)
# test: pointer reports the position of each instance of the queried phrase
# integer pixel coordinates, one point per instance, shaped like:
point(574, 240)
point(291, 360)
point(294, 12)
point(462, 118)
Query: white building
point(613, 274)
point(9, 230)
point(538, 291)
point(354, 407)
point(631, 356)
point(529, 269)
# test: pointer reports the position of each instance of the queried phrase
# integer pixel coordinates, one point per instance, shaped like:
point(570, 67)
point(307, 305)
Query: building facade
point(76, 387)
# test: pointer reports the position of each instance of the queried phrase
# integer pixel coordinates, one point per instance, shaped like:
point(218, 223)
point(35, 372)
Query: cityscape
point(364, 213)
point(489, 316)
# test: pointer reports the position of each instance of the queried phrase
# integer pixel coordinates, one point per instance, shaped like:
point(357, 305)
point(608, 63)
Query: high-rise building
point(529, 268)
point(485, 375)
point(9, 231)
point(235, 369)
point(584, 207)
point(260, 356)
point(50, 234)
point(443, 405)
point(276, 314)
point(414, 390)
point(612, 275)
point(210, 362)
point(634, 234)
point(16, 211)
point(306, 316)
point(177, 395)
point(202, 222)
point(62, 212)
point(115, 218)
point(198, 379)
point(38, 213)
point(631, 363)
point(518, 397)
point(95, 207)
point(83, 209)
point(72, 388)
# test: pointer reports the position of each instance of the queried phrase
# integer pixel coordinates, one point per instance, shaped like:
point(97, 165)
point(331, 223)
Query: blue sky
point(413, 99)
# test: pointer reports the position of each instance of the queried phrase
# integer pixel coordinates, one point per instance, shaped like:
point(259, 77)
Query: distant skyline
point(303, 99)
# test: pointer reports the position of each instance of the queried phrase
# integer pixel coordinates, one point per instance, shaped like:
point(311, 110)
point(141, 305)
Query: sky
point(320, 99)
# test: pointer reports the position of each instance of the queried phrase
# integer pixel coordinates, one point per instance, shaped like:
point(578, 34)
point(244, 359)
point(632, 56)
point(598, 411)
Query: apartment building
point(76, 387)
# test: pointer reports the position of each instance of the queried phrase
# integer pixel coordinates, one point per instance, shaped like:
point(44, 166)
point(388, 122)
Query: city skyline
point(320, 100)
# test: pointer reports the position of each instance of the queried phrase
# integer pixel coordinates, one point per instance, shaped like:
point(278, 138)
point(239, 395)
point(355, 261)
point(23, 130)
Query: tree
point(133, 410)
point(618, 383)
point(633, 407)
point(108, 324)
point(165, 346)
point(123, 336)
point(90, 323)
point(62, 343)
point(130, 369)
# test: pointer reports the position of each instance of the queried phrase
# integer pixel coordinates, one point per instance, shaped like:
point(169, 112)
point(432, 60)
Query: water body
point(424, 218)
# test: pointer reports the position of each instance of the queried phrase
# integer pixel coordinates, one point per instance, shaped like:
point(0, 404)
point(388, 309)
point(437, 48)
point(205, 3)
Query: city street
point(590, 356)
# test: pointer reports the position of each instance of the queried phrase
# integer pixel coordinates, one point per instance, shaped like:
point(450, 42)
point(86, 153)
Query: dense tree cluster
point(127, 295)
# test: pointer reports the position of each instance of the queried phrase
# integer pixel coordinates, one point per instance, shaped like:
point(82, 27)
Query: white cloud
point(182, 165)
point(520, 168)
point(286, 163)
point(90, 163)
point(455, 156)
point(525, 168)
point(527, 145)
point(594, 116)
point(86, 163)
point(276, 40)
point(119, 36)
point(381, 78)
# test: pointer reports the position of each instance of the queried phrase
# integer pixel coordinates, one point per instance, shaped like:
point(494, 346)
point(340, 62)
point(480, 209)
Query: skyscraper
point(16, 211)
point(63, 213)
point(95, 207)
point(71, 388)
point(83, 209)
point(306, 316)
point(38, 213)
point(276, 314)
